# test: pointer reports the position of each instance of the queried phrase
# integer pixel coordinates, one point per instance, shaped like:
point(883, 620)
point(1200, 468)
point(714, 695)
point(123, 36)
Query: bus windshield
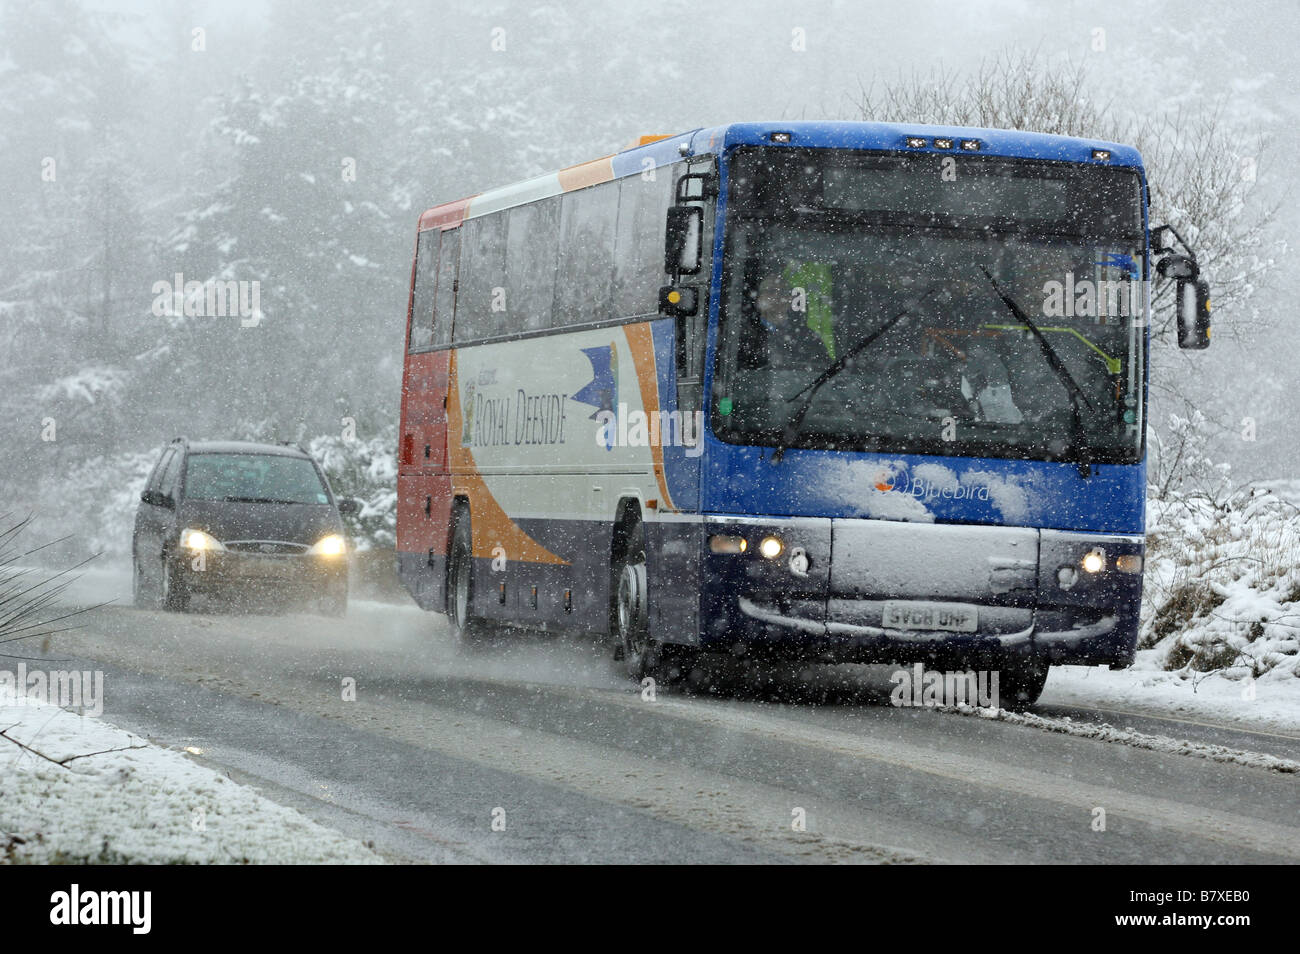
point(826, 248)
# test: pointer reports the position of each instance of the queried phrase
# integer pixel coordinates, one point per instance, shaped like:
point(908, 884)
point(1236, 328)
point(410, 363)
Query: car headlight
point(196, 540)
point(331, 546)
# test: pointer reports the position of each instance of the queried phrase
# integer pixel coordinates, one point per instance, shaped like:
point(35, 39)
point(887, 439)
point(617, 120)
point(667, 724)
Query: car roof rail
point(296, 445)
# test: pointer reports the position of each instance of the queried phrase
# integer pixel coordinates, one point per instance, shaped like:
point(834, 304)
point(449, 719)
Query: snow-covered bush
point(1222, 584)
point(96, 504)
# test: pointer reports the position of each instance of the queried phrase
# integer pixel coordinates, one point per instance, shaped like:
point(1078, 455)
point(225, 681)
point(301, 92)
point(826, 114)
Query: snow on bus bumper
point(963, 592)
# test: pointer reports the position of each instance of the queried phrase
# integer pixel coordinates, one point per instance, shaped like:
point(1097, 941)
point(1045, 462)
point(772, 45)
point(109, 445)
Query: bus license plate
point(935, 617)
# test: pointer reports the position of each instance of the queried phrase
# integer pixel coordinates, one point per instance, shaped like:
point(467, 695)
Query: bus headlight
point(198, 540)
point(1129, 563)
point(331, 546)
point(1095, 561)
point(771, 547)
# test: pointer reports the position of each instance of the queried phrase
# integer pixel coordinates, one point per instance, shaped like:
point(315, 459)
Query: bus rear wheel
point(466, 628)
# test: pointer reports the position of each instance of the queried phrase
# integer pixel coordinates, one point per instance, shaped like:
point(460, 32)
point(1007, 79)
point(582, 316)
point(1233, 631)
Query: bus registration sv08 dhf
point(935, 617)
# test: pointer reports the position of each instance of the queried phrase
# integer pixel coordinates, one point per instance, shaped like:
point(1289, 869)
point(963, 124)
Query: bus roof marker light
point(943, 144)
point(1101, 155)
point(916, 142)
point(971, 145)
point(780, 137)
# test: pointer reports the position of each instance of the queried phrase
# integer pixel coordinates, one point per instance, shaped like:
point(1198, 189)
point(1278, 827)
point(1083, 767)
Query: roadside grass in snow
point(1222, 585)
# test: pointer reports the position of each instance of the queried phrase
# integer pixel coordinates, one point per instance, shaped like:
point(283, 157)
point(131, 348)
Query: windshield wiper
point(1054, 361)
point(791, 429)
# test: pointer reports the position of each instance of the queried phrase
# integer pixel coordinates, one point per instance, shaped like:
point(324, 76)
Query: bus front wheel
point(629, 612)
point(1021, 682)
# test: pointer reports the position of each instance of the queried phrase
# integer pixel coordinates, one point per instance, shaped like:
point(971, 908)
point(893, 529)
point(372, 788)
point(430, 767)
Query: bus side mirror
point(682, 240)
point(1192, 299)
point(1160, 240)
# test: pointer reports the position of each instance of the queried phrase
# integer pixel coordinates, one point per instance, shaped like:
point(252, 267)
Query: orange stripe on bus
point(447, 215)
point(641, 343)
point(586, 174)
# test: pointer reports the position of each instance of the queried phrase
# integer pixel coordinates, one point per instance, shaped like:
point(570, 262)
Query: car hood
point(291, 523)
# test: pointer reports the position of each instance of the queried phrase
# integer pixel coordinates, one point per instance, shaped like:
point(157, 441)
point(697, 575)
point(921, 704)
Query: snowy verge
point(1103, 732)
point(1222, 585)
point(76, 790)
point(1270, 703)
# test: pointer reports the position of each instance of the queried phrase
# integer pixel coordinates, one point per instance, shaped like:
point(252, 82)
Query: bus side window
point(530, 263)
point(480, 299)
point(426, 262)
point(445, 297)
point(639, 254)
point(586, 259)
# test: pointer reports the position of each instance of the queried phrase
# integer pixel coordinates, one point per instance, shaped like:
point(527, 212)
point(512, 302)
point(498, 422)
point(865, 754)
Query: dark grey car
point(239, 519)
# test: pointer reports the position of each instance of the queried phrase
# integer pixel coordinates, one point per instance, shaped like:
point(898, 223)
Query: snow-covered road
point(536, 749)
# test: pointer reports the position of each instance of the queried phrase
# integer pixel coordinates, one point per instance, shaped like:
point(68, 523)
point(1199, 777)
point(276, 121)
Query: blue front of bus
point(926, 396)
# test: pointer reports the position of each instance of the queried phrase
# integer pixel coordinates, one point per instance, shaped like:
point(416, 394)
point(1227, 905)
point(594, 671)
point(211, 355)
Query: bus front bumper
point(839, 588)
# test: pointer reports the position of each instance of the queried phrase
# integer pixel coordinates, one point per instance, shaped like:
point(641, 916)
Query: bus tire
point(682, 665)
point(629, 610)
point(1020, 681)
point(466, 628)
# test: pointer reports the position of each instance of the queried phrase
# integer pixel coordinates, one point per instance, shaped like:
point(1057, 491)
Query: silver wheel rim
point(631, 603)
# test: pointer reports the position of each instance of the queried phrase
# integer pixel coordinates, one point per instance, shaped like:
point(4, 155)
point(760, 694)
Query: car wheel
point(175, 596)
point(1021, 682)
point(335, 601)
point(629, 610)
point(142, 595)
point(467, 628)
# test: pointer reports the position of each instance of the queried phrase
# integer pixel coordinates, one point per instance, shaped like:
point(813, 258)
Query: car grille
point(265, 546)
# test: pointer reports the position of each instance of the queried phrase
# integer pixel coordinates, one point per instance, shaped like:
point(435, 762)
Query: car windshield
point(813, 271)
point(253, 478)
